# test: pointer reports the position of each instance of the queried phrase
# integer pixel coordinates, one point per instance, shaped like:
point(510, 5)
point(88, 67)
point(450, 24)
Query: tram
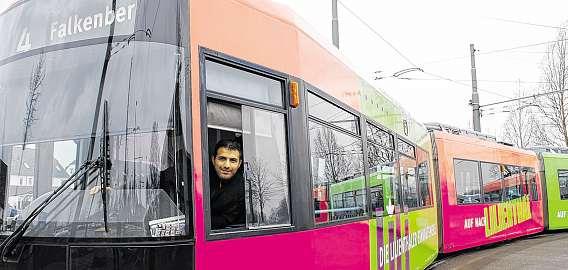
point(110, 116)
point(489, 192)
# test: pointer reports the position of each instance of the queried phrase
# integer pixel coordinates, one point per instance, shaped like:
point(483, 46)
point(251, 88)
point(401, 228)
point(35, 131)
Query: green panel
point(413, 250)
point(383, 110)
point(557, 208)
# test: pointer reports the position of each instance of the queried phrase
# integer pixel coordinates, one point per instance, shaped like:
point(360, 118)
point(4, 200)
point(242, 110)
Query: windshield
point(54, 78)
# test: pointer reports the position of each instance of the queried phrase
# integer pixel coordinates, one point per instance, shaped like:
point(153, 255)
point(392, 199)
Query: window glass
point(266, 168)
point(248, 183)
point(143, 83)
point(379, 137)
point(424, 183)
point(512, 182)
point(531, 176)
point(405, 148)
point(337, 167)
point(492, 182)
point(408, 179)
point(238, 83)
point(332, 114)
point(466, 175)
point(563, 184)
point(380, 156)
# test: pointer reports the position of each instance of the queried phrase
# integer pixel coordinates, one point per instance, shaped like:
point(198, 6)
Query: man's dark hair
point(231, 145)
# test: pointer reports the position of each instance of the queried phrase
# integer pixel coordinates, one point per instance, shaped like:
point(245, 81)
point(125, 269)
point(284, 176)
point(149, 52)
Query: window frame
point(559, 187)
point(480, 181)
point(206, 96)
point(360, 120)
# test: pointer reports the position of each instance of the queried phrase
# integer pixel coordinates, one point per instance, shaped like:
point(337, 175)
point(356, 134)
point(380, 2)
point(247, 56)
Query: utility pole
point(334, 24)
point(474, 95)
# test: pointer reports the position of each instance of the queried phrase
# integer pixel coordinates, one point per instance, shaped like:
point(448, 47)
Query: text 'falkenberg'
point(76, 24)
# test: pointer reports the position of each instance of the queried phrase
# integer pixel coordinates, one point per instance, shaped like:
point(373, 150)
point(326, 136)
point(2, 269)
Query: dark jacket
point(227, 201)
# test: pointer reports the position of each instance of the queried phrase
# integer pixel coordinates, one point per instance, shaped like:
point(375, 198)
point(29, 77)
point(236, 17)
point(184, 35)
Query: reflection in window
point(424, 184)
point(466, 175)
point(563, 184)
point(492, 182)
point(145, 187)
point(533, 185)
point(512, 182)
point(337, 167)
point(266, 171)
point(405, 148)
point(380, 156)
point(408, 179)
point(331, 114)
point(257, 194)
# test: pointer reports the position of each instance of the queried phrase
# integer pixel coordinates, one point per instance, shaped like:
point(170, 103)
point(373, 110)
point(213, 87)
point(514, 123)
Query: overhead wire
point(376, 33)
point(436, 75)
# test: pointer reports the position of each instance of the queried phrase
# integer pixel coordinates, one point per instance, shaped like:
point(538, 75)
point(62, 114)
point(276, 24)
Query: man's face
point(226, 163)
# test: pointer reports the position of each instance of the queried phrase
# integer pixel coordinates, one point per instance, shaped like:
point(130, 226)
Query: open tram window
point(247, 159)
point(336, 160)
point(380, 156)
point(563, 184)
point(466, 174)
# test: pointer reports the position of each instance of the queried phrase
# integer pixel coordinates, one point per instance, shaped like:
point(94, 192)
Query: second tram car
point(489, 192)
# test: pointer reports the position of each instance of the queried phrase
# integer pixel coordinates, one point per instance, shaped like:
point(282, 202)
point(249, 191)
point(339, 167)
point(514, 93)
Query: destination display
point(37, 24)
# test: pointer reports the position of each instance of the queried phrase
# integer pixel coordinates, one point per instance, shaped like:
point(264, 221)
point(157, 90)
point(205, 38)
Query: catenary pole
point(474, 94)
point(334, 24)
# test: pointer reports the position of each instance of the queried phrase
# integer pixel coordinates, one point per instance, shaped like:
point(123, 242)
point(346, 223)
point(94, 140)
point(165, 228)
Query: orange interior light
point(294, 95)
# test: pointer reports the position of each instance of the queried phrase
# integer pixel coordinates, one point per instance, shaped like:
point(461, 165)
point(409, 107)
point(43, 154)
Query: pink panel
point(337, 247)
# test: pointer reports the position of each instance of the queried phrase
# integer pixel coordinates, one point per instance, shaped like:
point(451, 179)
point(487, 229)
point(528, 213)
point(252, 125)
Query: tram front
point(94, 143)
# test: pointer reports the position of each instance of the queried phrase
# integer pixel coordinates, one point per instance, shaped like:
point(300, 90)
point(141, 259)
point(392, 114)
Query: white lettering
point(62, 31)
point(109, 18)
point(87, 23)
point(120, 13)
point(77, 25)
point(98, 21)
point(53, 29)
point(24, 43)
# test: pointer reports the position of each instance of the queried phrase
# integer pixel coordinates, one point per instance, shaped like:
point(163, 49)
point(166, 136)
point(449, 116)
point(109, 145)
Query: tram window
point(406, 148)
point(492, 182)
point(248, 184)
point(332, 114)
point(337, 165)
point(512, 182)
point(235, 82)
point(531, 176)
point(563, 184)
point(380, 156)
point(466, 175)
point(424, 184)
point(408, 180)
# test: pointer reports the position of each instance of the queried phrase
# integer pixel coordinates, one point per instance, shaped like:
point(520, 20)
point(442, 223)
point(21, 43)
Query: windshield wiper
point(102, 163)
point(8, 245)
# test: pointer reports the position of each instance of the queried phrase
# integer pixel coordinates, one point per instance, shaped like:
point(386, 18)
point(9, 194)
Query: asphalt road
point(543, 251)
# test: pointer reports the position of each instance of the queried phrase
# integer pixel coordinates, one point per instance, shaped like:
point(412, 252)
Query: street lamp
point(398, 73)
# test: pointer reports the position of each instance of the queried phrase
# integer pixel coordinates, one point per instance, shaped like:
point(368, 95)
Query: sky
point(435, 35)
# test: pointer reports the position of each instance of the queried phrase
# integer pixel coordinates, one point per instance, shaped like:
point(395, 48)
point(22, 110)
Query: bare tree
point(523, 127)
point(338, 163)
point(36, 79)
point(262, 187)
point(554, 107)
